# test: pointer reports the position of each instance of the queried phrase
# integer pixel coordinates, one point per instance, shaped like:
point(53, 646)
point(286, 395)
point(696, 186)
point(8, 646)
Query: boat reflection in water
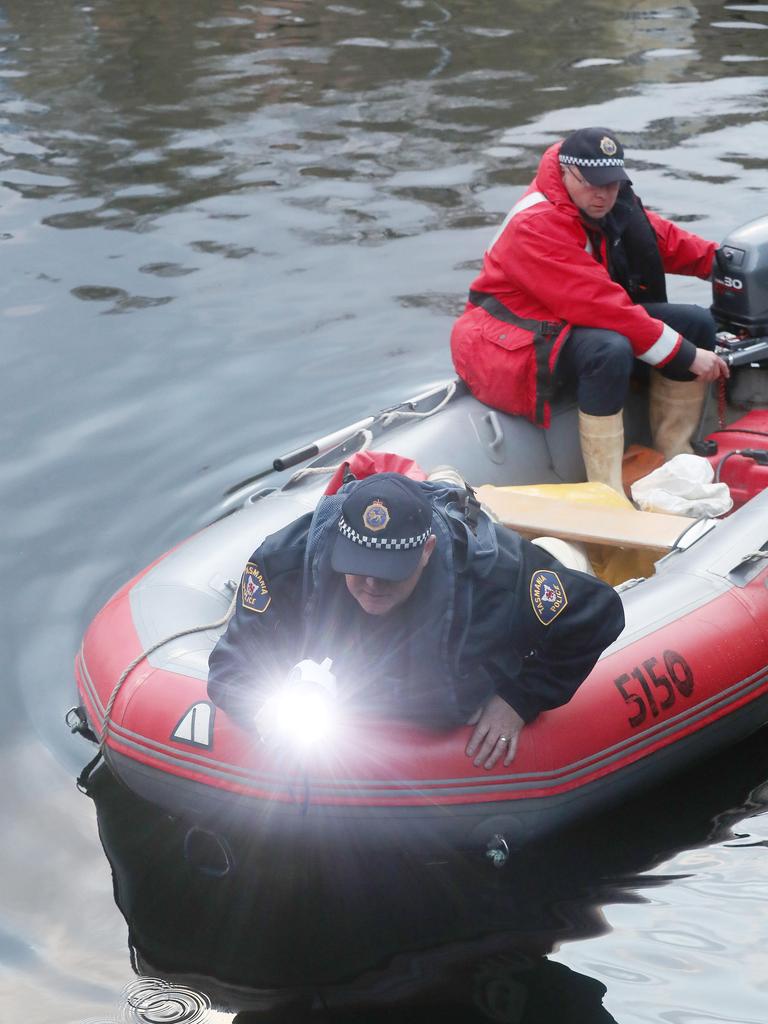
point(298, 934)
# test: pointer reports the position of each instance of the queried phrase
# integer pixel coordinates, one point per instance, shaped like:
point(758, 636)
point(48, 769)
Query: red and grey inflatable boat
point(688, 675)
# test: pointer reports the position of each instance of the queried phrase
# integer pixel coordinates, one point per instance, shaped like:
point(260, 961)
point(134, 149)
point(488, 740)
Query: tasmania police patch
point(254, 592)
point(547, 595)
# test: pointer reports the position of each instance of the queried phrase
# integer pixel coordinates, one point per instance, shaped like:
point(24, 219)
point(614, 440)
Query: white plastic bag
point(684, 487)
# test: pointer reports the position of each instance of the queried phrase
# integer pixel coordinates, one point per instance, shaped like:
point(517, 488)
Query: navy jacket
point(491, 613)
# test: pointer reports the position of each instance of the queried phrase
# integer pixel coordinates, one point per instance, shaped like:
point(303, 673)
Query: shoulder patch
point(254, 592)
point(548, 596)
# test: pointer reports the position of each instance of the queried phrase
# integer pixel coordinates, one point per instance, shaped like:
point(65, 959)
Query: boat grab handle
point(208, 852)
point(695, 531)
point(497, 434)
point(751, 556)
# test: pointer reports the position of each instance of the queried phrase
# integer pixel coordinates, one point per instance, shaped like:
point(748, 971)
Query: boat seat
point(533, 515)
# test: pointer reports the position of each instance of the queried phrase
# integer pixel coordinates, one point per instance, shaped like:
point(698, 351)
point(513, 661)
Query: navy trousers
point(600, 362)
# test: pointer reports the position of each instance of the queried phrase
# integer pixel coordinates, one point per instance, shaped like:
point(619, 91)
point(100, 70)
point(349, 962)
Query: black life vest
point(634, 259)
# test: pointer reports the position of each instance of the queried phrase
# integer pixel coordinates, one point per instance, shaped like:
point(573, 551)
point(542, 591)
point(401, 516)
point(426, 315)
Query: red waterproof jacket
point(549, 270)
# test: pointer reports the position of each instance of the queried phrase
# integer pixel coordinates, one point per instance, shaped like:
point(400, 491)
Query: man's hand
point(707, 366)
point(497, 728)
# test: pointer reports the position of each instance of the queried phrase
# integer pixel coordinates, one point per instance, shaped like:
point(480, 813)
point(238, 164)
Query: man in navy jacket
point(428, 614)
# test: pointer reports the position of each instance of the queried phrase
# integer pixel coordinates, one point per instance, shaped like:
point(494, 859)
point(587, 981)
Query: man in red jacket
point(573, 289)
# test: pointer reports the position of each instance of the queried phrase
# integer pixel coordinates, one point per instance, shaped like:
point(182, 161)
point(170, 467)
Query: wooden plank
point(619, 527)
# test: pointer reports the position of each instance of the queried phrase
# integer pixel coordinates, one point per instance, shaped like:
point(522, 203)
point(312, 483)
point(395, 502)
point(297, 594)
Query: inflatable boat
point(688, 675)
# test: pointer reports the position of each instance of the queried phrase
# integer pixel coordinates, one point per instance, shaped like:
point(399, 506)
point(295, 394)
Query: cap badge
point(608, 146)
point(376, 516)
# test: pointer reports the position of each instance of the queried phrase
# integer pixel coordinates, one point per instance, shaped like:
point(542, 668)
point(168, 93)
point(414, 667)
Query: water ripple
point(153, 1001)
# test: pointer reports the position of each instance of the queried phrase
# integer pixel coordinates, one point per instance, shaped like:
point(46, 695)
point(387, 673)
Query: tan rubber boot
point(602, 445)
point(674, 410)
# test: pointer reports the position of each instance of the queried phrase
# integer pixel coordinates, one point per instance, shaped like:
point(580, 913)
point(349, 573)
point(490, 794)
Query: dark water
point(228, 227)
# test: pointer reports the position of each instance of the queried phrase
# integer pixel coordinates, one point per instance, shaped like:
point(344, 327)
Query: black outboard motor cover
point(740, 280)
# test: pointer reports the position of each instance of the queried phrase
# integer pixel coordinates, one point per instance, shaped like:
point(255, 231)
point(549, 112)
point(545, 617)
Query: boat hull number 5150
point(651, 688)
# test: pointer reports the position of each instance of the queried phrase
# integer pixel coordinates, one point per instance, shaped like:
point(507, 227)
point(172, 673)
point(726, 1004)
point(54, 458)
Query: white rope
point(319, 470)
point(151, 650)
point(396, 414)
point(386, 419)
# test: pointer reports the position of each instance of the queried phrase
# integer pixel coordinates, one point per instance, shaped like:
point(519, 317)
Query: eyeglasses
point(586, 184)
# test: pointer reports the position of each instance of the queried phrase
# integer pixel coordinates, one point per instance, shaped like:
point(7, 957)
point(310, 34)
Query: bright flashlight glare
point(299, 716)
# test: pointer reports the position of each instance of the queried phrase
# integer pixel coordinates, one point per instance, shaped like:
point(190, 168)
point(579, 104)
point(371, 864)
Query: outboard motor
point(740, 308)
point(740, 281)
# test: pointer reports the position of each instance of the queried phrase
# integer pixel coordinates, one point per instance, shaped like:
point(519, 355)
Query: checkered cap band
point(382, 543)
point(583, 161)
